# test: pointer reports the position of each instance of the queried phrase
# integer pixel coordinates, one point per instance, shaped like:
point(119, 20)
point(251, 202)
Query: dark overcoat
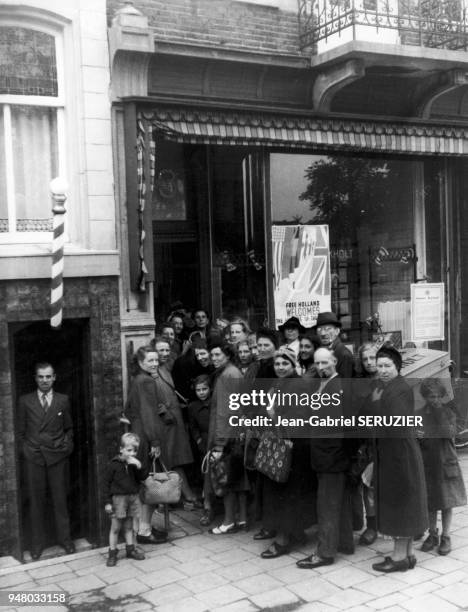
point(401, 501)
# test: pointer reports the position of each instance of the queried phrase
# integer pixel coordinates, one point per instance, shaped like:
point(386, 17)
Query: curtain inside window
point(35, 156)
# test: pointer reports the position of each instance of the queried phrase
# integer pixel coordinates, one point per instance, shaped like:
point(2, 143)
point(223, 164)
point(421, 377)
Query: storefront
point(219, 160)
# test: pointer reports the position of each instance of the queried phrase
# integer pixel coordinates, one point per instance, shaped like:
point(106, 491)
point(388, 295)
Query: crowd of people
point(390, 484)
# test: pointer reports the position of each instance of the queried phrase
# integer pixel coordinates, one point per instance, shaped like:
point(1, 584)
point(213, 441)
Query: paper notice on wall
point(427, 312)
point(301, 272)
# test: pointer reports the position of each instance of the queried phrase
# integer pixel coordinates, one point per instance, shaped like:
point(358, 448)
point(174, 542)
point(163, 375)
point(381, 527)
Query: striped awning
point(275, 130)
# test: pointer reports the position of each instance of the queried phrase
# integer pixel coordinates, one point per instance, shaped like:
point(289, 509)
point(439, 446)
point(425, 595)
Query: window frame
point(7, 101)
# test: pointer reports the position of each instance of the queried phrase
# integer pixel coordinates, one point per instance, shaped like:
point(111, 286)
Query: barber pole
point(57, 187)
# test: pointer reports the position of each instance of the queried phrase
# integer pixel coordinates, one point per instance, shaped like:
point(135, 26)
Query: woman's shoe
point(411, 561)
point(445, 545)
point(207, 518)
point(242, 526)
point(389, 565)
point(264, 534)
point(275, 550)
point(431, 542)
point(223, 529)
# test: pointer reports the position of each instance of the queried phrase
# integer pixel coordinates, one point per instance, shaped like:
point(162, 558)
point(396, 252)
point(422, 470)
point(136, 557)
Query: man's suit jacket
point(45, 438)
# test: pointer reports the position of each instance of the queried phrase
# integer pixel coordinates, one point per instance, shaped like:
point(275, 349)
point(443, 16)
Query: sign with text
point(301, 272)
point(427, 311)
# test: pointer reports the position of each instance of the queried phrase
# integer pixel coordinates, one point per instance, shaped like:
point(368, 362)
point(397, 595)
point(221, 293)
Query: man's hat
point(293, 322)
point(327, 318)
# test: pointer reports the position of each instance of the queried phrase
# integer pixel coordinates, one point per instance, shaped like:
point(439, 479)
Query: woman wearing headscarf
point(223, 442)
point(400, 488)
point(288, 506)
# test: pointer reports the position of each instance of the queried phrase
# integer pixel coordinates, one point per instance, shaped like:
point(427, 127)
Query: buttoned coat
point(45, 437)
point(401, 499)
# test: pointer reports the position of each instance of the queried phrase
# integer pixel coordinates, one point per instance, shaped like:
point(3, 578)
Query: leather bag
point(164, 487)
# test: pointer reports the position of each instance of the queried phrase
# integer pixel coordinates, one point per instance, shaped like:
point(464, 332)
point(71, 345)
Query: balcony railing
point(442, 24)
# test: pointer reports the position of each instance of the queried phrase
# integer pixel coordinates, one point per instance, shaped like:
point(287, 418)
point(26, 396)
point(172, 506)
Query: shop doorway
point(68, 351)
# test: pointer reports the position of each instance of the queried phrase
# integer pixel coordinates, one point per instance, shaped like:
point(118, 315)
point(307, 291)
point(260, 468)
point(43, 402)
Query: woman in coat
point(150, 422)
point(400, 488)
point(223, 441)
point(288, 508)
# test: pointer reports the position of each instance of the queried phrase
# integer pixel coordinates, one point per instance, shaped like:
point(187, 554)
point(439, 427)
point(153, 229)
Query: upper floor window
point(31, 128)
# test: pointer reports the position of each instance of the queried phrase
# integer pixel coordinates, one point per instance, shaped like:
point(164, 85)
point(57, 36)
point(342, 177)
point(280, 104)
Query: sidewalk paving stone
point(452, 577)
point(385, 602)
point(317, 606)
point(442, 565)
point(197, 567)
point(204, 582)
point(344, 599)
point(429, 603)
point(291, 574)
point(236, 555)
point(456, 594)
point(80, 585)
point(347, 576)
point(258, 584)
point(125, 588)
point(314, 588)
point(162, 577)
point(220, 596)
point(235, 572)
point(420, 589)
point(168, 594)
point(274, 599)
point(381, 585)
point(243, 605)
point(52, 579)
point(188, 604)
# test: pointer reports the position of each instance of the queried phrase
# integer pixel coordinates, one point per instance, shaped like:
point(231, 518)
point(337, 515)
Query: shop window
point(372, 209)
point(31, 120)
point(238, 243)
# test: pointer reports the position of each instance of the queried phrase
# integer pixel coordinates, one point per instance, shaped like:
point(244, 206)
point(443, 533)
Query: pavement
point(197, 572)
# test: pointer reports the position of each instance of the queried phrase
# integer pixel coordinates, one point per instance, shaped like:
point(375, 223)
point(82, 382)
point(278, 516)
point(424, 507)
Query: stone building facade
point(55, 122)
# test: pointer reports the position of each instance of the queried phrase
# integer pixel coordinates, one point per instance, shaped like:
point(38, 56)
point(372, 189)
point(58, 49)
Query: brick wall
point(28, 301)
point(225, 23)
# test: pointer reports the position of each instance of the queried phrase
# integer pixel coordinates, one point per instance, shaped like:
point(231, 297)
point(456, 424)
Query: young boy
point(122, 485)
point(199, 422)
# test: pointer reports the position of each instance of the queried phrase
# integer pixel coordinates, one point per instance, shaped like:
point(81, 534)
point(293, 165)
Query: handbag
point(161, 487)
point(274, 457)
point(217, 471)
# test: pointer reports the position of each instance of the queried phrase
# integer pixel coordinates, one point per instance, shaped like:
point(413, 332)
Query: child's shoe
point(445, 545)
point(112, 557)
point(431, 542)
point(133, 553)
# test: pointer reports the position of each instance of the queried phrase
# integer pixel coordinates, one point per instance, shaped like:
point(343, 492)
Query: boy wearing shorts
point(122, 485)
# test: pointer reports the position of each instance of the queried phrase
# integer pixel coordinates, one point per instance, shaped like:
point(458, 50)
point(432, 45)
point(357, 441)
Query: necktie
point(45, 403)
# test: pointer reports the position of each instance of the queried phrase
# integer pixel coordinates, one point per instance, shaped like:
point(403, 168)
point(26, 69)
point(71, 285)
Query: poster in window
point(427, 312)
point(301, 272)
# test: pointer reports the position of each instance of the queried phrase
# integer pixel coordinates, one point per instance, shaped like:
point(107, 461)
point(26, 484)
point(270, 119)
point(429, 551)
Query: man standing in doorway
point(45, 435)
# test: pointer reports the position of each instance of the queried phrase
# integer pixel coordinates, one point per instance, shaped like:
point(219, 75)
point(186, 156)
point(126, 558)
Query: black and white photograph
point(233, 305)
